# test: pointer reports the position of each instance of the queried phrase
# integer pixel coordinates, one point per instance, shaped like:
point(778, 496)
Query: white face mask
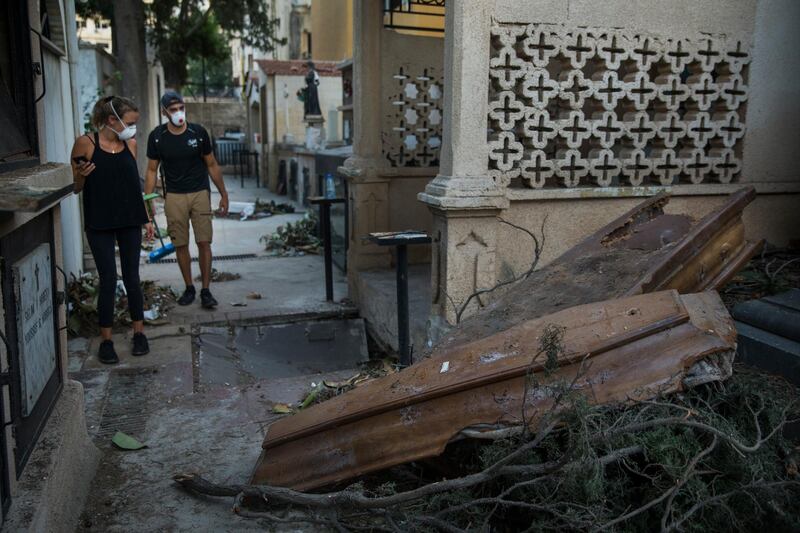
point(128, 132)
point(178, 118)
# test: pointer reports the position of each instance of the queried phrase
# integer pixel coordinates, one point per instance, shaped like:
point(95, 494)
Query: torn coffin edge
point(620, 350)
point(644, 250)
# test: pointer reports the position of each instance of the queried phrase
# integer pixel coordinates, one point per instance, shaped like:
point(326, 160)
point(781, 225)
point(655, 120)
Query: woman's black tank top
point(112, 195)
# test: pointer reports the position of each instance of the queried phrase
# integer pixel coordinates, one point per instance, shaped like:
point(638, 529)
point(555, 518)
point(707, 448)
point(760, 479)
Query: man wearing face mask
point(184, 151)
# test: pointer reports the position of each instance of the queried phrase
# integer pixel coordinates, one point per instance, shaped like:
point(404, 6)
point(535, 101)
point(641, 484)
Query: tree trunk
point(131, 52)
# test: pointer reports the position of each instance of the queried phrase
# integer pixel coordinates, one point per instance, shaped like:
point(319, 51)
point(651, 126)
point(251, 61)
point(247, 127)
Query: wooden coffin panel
point(626, 349)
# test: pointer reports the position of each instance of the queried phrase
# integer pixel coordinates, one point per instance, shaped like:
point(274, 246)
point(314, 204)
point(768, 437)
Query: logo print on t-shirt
point(192, 143)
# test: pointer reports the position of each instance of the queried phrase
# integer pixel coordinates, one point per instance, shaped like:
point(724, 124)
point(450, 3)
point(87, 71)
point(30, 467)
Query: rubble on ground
point(273, 208)
point(82, 305)
point(218, 276)
point(294, 238)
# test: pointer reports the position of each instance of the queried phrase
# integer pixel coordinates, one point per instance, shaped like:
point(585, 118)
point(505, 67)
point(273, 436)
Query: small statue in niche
point(311, 96)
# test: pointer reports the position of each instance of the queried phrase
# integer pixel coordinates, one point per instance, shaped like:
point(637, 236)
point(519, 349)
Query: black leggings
point(130, 244)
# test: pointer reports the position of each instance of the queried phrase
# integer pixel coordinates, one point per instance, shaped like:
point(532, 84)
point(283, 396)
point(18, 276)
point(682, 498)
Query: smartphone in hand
point(81, 159)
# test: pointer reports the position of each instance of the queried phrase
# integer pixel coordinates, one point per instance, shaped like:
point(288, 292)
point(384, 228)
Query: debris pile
point(218, 276)
point(772, 272)
point(713, 458)
point(83, 294)
point(607, 372)
point(294, 238)
point(273, 208)
point(325, 389)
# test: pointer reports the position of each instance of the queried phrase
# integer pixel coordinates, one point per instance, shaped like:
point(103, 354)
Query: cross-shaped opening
point(606, 167)
point(575, 129)
point(541, 88)
point(734, 90)
point(613, 49)
point(674, 92)
point(732, 127)
point(679, 53)
point(708, 52)
point(608, 128)
point(573, 168)
point(697, 164)
point(579, 48)
point(575, 88)
point(669, 164)
point(641, 90)
point(636, 168)
point(507, 150)
point(609, 89)
point(705, 92)
point(701, 129)
point(539, 168)
point(507, 109)
point(737, 53)
point(541, 46)
point(645, 51)
point(540, 129)
point(508, 69)
point(641, 130)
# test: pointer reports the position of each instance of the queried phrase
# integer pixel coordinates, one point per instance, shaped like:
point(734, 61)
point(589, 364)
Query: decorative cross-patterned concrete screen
point(590, 107)
point(412, 132)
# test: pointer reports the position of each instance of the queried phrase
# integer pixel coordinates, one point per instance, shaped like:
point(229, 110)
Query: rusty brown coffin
point(644, 250)
point(625, 349)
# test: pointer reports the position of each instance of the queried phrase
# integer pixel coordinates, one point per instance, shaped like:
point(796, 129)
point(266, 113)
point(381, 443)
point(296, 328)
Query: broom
point(166, 249)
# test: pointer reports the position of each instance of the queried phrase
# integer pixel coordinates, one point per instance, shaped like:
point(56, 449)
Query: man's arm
point(215, 171)
point(150, 175)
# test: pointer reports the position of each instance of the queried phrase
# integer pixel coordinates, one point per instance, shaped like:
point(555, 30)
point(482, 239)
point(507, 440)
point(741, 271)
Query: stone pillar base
point(463, 262)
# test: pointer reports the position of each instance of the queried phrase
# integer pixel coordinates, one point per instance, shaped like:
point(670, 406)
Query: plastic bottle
point(330, 186)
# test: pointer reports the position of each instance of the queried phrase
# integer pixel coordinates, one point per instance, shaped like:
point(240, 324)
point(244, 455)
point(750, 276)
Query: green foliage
point(734, 487)
point(294, 238)
point(187, 30)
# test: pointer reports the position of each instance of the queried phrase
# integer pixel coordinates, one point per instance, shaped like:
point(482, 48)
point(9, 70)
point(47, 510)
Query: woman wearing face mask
point(104, 168)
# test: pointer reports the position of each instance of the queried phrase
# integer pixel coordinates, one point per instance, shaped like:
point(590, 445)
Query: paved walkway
point(216, 430)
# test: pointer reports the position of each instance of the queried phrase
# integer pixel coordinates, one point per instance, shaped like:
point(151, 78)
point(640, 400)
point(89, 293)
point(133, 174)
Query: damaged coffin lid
point(644, 250)
point(631, 348)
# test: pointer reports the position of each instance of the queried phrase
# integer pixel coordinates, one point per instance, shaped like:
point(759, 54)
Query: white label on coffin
point(35, 327)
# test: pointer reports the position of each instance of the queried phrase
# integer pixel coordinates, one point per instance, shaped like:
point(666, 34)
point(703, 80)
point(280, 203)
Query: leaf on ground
point(126, 442)
point(282, 409)
point(312, 396)
point(339, 384)
point(254, 295)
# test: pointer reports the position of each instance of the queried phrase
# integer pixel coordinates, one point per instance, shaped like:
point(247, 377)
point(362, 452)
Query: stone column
point(368, 201)
point(464, 199)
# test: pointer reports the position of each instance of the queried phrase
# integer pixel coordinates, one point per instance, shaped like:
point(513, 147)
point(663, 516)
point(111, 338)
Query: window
point(17, 112)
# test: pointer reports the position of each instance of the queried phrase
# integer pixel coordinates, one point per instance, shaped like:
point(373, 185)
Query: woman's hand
point(150, 232)
point(85, 168)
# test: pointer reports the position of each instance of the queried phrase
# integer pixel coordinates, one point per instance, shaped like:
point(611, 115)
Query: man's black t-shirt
point(181, 157)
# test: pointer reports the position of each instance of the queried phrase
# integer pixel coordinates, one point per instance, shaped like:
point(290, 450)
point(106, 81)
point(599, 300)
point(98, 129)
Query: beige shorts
point(180, 208)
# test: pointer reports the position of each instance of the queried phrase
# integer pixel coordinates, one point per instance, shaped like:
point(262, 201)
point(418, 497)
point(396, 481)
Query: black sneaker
point(107, 354)
point(140, 344)
point(206, 300)
point(188, 296)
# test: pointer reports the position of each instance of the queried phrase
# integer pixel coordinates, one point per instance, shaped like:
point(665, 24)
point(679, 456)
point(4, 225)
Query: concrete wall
point(96, 71)
point(332, 29)
point(216, 117)
point(406, 213)
point(772, 139)
point(769, 153)
point(772, 217)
